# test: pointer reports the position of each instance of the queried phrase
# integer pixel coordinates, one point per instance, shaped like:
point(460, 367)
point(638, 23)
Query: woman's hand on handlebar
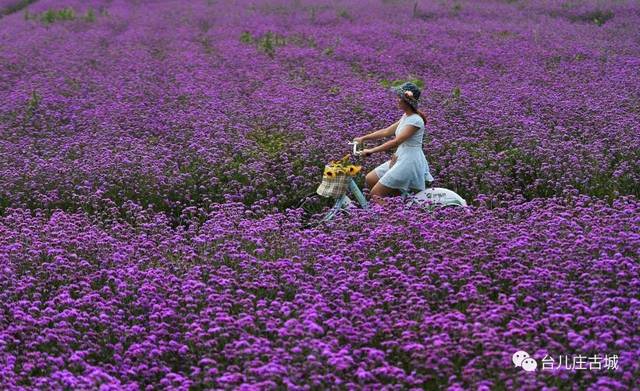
point(363, 152)
point(366, 152)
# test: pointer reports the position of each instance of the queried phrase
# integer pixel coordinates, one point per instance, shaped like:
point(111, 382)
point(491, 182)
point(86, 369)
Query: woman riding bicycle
point(408, 167)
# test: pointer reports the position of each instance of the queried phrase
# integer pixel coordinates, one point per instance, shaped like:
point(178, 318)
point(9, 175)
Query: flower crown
point(409, 95)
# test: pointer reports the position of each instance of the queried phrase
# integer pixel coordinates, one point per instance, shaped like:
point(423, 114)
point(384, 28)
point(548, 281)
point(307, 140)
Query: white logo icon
point(529, 364)
point(522, 359)
point(518, 357)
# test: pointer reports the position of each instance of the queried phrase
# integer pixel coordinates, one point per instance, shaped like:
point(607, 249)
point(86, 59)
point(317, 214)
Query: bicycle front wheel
point(316, 209)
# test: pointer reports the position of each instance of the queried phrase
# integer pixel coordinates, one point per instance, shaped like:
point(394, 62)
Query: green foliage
point(246, 37)
point(343, 13)
point(504, 33)
point(301, 40)
point(270, 141)
point(416, 13)
point(269, 41)
point(10, 9)
point(4, 203)
point(267, 45)
point(525, 171)
point(417, 81)
point(71, 86)
point(51, 16)
point(183, 100)
point(329, 50)
point(90, 16)
point(32, 104)
point(601, 17)
point(598, 17)
point(456, 93)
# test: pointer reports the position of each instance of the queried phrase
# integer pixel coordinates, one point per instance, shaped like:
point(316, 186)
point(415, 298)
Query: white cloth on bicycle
point(411, 169)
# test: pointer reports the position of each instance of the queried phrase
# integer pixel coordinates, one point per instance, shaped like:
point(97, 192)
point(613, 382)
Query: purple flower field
point(152, 154)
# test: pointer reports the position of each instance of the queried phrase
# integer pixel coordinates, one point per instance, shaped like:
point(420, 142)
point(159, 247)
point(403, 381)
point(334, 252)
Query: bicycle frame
point(343, 201)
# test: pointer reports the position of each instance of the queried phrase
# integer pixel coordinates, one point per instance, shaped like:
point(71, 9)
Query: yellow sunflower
point(353, 170)
point(329, 172)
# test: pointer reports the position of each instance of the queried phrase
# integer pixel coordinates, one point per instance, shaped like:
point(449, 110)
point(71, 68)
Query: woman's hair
point(417, 111)
point(422, 115)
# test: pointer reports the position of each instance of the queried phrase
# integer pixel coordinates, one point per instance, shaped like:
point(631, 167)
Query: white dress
point(411, 169)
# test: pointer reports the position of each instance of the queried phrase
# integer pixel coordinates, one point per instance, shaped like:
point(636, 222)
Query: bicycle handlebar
point(355, 148)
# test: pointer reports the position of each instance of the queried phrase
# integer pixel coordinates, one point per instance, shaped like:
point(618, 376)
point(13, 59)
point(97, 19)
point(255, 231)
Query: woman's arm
point(407, 131)
point(381, 133)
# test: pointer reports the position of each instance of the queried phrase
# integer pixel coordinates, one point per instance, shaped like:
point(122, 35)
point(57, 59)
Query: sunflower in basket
point(341, 167)
point(329, 172)
point(353, 170)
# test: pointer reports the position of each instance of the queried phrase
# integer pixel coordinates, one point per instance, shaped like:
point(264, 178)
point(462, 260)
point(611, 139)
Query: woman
point(408, 167)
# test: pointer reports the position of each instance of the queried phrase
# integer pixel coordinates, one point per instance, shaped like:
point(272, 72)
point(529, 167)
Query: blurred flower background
point(152, 153)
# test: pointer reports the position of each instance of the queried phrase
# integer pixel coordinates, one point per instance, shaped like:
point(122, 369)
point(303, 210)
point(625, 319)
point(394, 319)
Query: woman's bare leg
point(379, 191)
point(371, 179)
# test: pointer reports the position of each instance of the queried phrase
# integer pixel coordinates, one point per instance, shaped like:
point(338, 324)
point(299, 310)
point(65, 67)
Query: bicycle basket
point(334, 187)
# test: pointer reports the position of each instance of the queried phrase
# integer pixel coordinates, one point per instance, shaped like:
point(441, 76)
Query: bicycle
point(315, 206)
